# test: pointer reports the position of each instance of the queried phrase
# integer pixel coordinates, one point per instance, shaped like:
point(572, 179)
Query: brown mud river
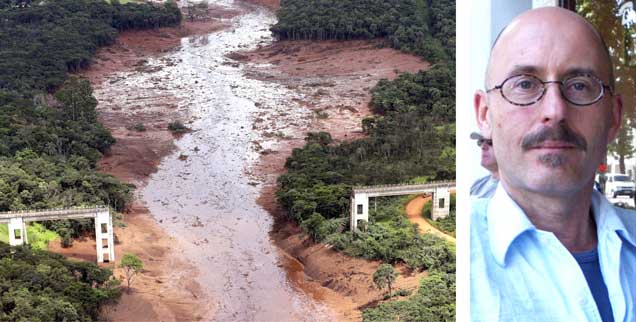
point(204, 194)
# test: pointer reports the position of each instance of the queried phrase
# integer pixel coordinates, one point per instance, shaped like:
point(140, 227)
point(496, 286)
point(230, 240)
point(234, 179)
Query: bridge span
point(360, 198)
point(103, 226)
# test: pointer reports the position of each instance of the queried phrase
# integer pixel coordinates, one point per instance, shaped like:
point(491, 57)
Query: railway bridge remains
point(360, 198)
point(103, 226)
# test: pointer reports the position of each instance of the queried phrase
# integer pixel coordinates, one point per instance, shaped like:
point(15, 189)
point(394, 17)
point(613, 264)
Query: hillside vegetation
point(50, 141)
point(49, 144)
point(40, 286)
point(411, 135)
point(426, 28)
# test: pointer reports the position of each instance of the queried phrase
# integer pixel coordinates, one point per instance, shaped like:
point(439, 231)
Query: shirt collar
point(506, 221)
point(609, 219)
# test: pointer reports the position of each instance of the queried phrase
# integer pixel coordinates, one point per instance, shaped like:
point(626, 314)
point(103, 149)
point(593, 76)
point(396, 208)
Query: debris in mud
point(268, 151)
point(198, 243)
point(347, 108)
point(237, 56)
point(145, 68)
point(197, 223)
point(257, 145)
point(183, 157)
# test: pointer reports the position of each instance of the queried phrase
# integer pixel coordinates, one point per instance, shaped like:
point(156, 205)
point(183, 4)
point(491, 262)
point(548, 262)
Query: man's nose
point(554, 107)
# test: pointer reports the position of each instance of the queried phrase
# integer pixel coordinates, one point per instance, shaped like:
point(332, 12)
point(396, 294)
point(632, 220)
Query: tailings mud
point(245, 113)
point(203, 195)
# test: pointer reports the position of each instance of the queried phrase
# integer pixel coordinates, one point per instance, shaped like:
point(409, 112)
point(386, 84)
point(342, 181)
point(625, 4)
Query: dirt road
point(414, 213)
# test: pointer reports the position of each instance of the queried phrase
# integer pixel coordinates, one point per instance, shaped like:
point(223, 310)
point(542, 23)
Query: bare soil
point(414, 213)
point(335, 78)
point(167, 289)
point(271, 4)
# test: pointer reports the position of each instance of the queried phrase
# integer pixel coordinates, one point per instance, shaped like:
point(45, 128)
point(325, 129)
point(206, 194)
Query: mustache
point(561, 132)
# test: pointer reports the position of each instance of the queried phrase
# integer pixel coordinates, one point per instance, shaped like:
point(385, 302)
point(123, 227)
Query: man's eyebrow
point(534, 70)
point(581, 71)
point(522, 69)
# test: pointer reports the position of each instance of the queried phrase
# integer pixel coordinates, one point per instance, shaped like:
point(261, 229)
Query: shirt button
point(584, 301)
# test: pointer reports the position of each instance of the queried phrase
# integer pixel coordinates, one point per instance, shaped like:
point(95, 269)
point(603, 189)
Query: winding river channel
point(204, 193)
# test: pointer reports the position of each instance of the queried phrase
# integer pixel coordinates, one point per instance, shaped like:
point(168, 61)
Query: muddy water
point(204, 194)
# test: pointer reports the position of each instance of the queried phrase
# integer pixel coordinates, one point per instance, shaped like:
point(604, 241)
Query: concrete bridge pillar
point(441, 203)
point(104, 236)
point(359, 209)
point(17, 232)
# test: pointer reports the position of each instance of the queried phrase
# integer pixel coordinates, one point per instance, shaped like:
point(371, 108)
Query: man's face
point(488, 160)
point(552, 146)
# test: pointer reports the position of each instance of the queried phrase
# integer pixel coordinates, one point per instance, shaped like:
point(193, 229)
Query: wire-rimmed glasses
point(526, 89)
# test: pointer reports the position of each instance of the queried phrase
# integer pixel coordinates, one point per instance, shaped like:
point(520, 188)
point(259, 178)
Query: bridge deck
point(402, 189)
point(39, 215)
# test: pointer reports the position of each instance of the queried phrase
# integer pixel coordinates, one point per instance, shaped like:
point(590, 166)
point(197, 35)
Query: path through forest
point(414, 213)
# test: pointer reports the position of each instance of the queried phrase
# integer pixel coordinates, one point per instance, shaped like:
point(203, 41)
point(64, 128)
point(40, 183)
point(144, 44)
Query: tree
point(604, 15)
point(132, 266)
point(623, 146)
point(384, 276)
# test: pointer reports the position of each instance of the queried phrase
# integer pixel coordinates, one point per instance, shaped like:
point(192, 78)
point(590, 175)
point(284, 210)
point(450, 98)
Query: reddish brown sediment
point(167, 289)
point(414, 213)
point(335, 77)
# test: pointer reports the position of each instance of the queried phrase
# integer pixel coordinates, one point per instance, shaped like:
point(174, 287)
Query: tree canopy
point(426, 28)
point(41, 286)
point(50, 141)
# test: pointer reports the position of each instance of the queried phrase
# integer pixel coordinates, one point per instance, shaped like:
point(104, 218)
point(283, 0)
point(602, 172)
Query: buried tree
point(384, 276)
point(132, 266)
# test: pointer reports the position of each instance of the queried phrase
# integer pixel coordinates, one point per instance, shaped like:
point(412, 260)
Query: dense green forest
point(414, 137)
point(411, 135)
point(50, 141)
point(41, 286)
point(434, 301)
point(426, 28)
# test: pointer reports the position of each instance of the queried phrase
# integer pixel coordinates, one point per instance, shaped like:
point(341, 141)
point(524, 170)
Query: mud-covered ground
point(167, 289)
point(330, 82)
point(334, 79)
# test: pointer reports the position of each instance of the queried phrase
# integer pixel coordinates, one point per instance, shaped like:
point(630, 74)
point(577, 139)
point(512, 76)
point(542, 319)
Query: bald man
point(546, 246)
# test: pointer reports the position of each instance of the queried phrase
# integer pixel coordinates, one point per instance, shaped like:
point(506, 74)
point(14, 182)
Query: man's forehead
point(548, 41)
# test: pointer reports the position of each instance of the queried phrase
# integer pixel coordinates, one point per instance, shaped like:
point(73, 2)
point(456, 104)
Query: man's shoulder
point(479, 207)
point(627, 217)
point(483, 187)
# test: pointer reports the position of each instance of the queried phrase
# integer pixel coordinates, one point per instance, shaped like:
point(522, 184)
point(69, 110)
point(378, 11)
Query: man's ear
point(616, 117)
point(481, 114)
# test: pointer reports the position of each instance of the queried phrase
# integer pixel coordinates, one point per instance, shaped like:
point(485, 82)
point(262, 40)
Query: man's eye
point(525, 84)
point(579, 86)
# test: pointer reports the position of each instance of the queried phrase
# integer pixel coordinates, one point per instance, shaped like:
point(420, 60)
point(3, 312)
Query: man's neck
point(569, 218)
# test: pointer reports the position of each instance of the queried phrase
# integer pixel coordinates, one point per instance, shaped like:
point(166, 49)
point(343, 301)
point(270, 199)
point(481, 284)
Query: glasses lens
point(582, 89)
point(522, 89)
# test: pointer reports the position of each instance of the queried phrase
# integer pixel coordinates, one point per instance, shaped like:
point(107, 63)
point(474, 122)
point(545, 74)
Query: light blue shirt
point(520, 273)
point(483, 187)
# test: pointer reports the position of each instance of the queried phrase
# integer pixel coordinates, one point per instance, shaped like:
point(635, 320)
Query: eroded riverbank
point(217, 260)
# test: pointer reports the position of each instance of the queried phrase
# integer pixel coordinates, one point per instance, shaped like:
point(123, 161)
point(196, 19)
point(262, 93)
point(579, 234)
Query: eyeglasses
point(525, 89)
point(482, 141)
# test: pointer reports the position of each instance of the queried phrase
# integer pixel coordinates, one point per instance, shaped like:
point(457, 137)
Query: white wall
point(486, 19)
point(478, 24)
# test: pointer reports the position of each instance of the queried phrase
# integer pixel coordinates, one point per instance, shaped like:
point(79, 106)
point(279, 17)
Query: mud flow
point(203, 193)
